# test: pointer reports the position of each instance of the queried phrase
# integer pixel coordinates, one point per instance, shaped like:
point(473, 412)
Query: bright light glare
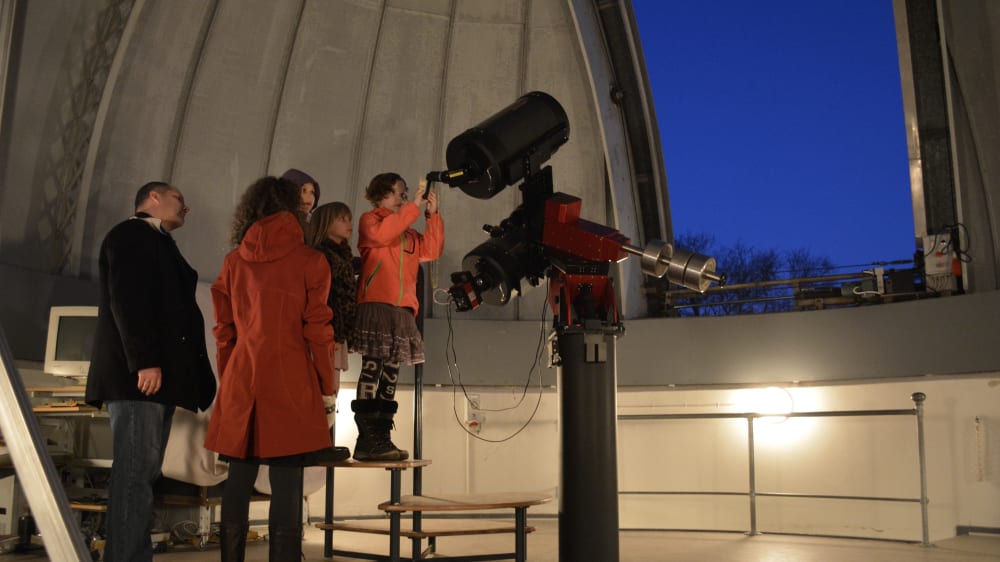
point(346, 430)
point(774, 400)
point(776, 429)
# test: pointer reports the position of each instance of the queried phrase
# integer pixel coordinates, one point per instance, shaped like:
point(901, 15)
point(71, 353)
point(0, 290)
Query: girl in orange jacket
point(387, 335)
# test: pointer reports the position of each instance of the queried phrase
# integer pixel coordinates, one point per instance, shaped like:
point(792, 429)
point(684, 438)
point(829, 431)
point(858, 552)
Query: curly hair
point(380, 186)
point(320, 221)
point(264, 197)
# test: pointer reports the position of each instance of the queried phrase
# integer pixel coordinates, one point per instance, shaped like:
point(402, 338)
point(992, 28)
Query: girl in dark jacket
point(329, 231)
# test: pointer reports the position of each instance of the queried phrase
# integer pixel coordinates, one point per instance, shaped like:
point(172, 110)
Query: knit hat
point(300, 178)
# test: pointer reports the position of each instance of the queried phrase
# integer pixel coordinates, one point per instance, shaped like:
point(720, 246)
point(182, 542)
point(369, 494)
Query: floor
point(642, 546)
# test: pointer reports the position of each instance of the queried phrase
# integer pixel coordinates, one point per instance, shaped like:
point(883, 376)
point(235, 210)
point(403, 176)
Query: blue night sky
point(782, 125)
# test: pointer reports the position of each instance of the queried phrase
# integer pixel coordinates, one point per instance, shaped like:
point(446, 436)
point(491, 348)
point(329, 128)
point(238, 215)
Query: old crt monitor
point(70, 340)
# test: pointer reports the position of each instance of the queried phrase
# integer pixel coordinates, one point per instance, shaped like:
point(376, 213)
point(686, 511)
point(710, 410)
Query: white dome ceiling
point(210, 95)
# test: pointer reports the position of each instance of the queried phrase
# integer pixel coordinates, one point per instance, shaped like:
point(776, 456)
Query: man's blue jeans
point(139, 431)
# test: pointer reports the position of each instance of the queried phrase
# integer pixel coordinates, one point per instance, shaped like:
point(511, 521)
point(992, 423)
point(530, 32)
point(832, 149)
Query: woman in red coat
point(274, 343)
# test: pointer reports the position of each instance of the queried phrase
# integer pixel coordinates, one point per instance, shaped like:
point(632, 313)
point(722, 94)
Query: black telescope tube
point(510, 145)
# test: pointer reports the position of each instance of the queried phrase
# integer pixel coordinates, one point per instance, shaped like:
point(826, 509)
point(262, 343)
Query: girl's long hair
point(320, 221)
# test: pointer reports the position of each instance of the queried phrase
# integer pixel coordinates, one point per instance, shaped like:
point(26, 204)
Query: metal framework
point(89, 75)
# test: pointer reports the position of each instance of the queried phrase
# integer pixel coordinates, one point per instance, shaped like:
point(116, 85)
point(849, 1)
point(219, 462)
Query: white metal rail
point(752, 494)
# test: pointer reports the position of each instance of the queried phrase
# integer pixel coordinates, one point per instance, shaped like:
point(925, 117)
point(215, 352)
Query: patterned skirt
point(389, 333)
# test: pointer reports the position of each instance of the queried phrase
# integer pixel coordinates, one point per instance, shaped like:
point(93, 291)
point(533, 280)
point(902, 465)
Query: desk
point(74, 404)
point(66, 402)
point(71, 390)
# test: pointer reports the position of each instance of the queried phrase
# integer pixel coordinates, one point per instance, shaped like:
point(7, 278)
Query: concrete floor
point(640, 546)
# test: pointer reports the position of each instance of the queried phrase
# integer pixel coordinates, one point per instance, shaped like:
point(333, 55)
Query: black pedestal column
point(588, 492)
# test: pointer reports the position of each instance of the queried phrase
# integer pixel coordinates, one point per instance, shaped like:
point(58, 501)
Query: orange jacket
point(274, 343)
point(391, 253)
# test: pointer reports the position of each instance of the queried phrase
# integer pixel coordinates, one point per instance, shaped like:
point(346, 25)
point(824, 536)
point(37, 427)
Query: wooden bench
point(430, 530)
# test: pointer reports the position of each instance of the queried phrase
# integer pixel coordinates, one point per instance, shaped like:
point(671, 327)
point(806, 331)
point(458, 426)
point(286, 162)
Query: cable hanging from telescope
point(524, 390)
point(451, 358)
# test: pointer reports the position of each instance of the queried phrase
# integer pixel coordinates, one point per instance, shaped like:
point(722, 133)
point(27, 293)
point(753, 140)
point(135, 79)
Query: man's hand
point(150, 380)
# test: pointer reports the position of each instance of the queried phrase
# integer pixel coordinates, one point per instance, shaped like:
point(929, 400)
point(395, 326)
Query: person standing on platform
point(308, 189)
point(387, 334)
point(274, 344)
point(329, 231)
point(149, 358)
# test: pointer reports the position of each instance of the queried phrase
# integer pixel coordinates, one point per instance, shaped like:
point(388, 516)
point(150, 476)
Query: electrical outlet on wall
point(473, 415)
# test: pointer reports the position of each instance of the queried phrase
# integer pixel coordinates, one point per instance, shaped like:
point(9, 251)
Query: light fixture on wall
point(774, 401)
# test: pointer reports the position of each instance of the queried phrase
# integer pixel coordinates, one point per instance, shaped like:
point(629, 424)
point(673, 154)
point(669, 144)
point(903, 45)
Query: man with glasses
point(149, 358)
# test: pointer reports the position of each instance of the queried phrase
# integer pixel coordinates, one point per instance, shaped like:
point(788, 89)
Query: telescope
point(546, 230)
point(505, 148)
point(545, 237)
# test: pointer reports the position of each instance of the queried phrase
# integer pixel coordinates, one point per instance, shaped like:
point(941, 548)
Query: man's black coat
point(148, 317)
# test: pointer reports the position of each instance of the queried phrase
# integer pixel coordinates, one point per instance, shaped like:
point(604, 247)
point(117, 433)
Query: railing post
point(753, 477)
point(918, 399)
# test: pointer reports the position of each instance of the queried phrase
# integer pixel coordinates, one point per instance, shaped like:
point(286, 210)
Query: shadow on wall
point(24, 306)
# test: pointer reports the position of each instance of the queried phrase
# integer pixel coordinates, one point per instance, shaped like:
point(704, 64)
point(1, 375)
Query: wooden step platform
point(466, 502)
point(428, 527)
point(388, 465)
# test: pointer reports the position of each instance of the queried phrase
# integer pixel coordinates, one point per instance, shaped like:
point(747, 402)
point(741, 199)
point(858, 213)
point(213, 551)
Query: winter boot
point(233, 541)
point(374, 419)
point(331, 455)
point(285, 544)
point(387, 411)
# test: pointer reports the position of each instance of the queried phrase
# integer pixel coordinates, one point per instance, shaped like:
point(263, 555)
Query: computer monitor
point(70, 340)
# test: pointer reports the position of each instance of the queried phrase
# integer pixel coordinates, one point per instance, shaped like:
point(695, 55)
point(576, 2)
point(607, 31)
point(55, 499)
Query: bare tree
point(748, 269)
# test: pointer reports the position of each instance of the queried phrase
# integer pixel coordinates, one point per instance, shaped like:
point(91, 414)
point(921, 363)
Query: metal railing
point(752, 494)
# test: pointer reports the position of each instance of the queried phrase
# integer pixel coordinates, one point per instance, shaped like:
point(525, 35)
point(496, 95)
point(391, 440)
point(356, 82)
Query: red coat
point(391, 253)
point(274, 343)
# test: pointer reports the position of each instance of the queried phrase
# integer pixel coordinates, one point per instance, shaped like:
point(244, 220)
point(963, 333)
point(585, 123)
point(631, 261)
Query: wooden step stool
point(430, 530)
